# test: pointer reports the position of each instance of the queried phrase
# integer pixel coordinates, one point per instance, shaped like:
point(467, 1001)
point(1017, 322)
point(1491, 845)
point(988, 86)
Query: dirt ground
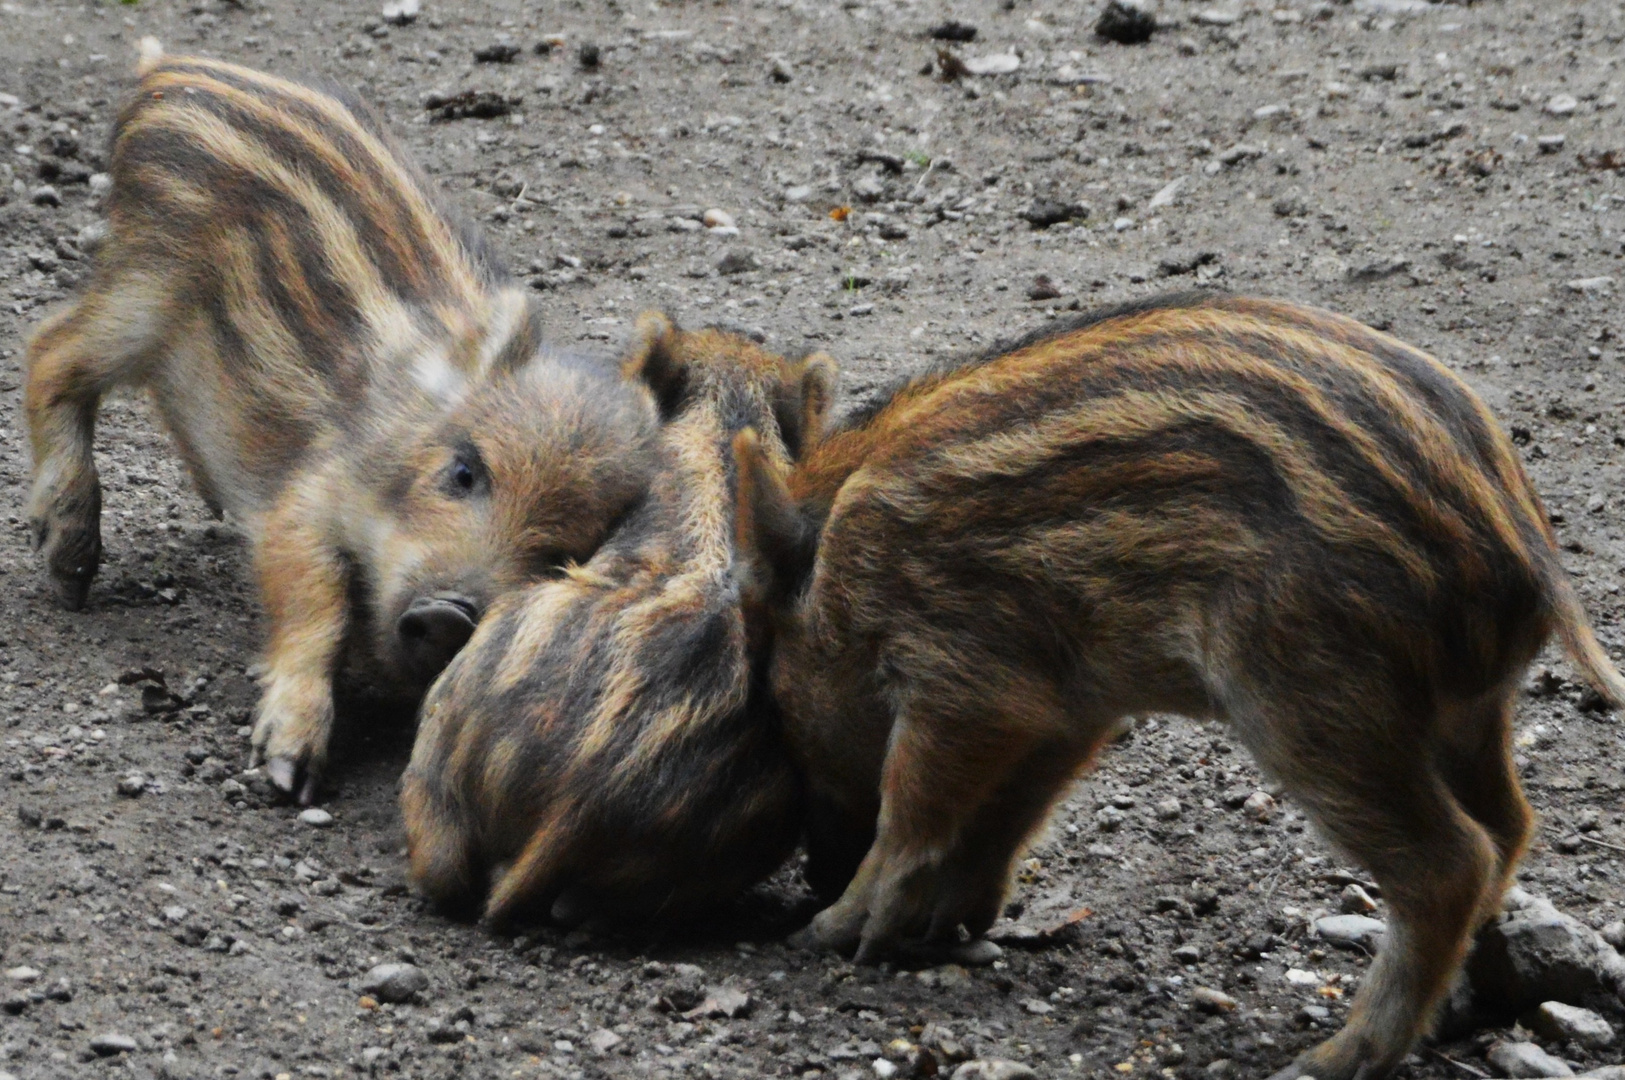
point(1451, 173)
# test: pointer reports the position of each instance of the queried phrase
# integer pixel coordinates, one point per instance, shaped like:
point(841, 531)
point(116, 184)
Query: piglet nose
point(433, 628)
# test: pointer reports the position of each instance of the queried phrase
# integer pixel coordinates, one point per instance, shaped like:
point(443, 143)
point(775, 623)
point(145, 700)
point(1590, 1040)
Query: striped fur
point(600, 744)
point(344, 370)
point(1221, 507)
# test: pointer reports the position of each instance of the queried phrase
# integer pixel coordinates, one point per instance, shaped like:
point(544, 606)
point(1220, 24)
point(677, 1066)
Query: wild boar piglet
point(1221, 507)
point(346, 373)
point(602, 746)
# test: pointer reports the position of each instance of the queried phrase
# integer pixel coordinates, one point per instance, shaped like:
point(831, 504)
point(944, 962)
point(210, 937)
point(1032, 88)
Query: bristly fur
point(326, 344)
point(1219, 506)
point(602, 744)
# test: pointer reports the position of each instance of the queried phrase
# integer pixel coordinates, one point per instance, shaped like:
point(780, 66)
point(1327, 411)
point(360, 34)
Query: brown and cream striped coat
point(601, 745)
point(1221, 507)
point(346, 372)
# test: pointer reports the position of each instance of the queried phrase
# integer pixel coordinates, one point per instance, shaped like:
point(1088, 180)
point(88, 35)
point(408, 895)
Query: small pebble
point(23, 974)
point(868, 188)
point(401, 12)
point(1209, 1000)
point(737, 262)
point(1525, 1059)
point(718, 219)
point(1043, 288)
point(952, 30)
point(1561, 1023)
point(45, 195)
point(502, 52)
point(132, 786)
point(1258, 806)
point(1127, 22)
point(316, 817)
point(394, 982)
point(1168, 809)
point(1561, 105)
point(1354, 900)
point(994, 1069)
point(91, 237)
point(111, 1044)
point(1238, 153)
point(1046, 212)
point(1352, 931)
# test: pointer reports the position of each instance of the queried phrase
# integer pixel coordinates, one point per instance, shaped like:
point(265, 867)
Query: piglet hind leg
point(74, 358)
point(1375, 785)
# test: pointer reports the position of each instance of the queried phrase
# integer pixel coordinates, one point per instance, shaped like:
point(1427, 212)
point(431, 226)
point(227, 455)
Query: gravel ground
point(1450, 173)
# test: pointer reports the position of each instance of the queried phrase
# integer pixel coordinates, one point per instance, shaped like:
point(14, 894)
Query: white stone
point(1561, 1022)
point(1168, 193)
point(401, 12)
point(1352, 931)
point(994, 1069)
point(1524, 1059)
point(994, 64)
point(1561, 105)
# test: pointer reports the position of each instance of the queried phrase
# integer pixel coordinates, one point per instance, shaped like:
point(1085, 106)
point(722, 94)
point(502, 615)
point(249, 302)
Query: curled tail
point(151, 51)
point(1581, 643)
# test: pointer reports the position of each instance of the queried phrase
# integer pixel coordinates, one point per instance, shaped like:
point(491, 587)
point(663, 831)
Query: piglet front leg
point(305, 581)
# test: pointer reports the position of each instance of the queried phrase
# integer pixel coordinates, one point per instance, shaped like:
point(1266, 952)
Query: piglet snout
point(433, 628)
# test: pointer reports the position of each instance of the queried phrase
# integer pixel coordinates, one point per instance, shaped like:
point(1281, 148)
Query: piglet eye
point(466, 475)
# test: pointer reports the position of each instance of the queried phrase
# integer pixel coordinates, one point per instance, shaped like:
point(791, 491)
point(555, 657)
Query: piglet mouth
point(432, 630)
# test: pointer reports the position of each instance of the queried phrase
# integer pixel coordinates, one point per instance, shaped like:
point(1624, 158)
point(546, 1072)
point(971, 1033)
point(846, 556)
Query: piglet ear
point(774, 540)
point(654, 358)
point(804, 401)
point(819, 376)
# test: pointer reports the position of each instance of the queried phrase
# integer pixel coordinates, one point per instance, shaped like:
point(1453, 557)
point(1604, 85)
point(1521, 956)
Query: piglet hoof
point(71, 591)
point(811, 939)
point(71, 560)
point(293, 779)
point(805, 939)
point(979, 952)
point(1294, 1071)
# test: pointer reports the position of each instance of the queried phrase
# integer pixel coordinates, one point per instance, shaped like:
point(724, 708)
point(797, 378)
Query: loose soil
point(1421, 171)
